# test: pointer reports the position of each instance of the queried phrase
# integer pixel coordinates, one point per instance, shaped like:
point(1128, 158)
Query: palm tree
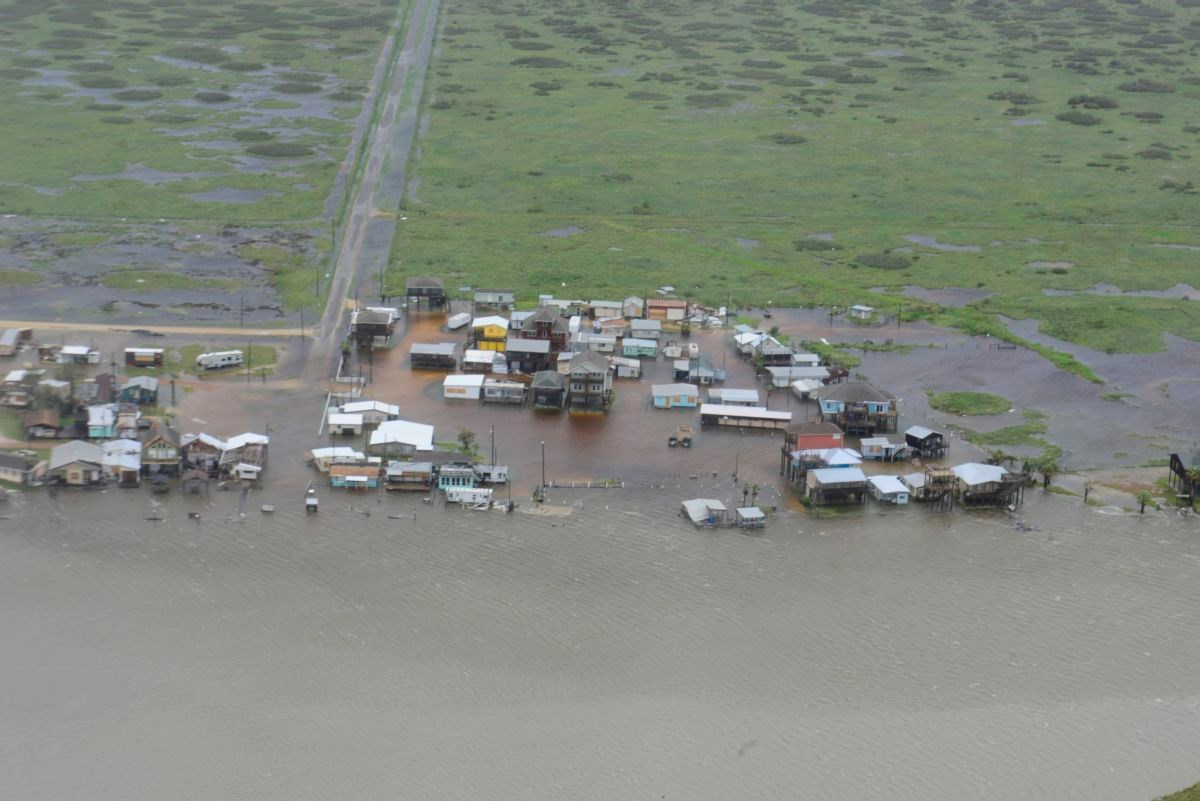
point(1143, 497)
point(754, 495)
point(745, 493)
point(1088, 486)
point(997, 456)
point(1048, 468)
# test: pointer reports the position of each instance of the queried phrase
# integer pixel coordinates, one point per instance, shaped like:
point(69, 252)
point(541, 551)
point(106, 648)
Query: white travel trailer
point(215, 361)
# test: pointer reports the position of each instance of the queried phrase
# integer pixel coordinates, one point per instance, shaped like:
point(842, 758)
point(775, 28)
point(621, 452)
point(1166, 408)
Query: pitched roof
point(74, 451)
point(814, 428)
point(854, 392)
point(405, 432)
point(15, 461)
point(690, 390)
point(423, 282)
point(586, 359)
point(42, 417)
point(548, 379)
point(974, 473)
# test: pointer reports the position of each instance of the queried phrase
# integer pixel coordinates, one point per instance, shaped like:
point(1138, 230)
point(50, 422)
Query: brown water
point(606, 651)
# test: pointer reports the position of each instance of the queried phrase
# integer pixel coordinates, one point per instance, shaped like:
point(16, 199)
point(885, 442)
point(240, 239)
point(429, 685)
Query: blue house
point(858, 408)
point(141, 389)
point(102, 421)
point(670, 396)
point(456, 476)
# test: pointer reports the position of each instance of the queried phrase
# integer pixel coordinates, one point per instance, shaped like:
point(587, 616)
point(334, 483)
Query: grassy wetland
point(178, 125)
point(965, 164)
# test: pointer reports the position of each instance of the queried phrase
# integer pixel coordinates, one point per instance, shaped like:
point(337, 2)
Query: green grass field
point(930, 144)
point(1190, 794)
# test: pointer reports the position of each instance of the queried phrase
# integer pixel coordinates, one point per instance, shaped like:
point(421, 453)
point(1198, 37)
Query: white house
point(373, 412)
point(463, 387)
point(888, 489)
point(344, 424)
point(401, 437)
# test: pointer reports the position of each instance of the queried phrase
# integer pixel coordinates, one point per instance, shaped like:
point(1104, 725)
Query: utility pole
point(249, 361)
point(302, 323)
point(543, 492)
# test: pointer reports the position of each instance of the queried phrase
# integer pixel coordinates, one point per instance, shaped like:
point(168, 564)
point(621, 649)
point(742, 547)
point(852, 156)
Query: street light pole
point(543, 466)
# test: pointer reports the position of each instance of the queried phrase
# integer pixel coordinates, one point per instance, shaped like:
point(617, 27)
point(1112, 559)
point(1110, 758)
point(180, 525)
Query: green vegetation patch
point(969, 403)
point(19, 278)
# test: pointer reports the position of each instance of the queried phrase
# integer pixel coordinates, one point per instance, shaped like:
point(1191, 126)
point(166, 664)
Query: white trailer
point(219, 359)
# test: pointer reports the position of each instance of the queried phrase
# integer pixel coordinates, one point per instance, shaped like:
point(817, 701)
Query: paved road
point(371, 223)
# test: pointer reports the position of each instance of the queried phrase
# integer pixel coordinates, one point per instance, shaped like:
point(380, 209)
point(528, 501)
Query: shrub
point(1078, 118)
point(788, 139)
point(969, 403)
point(243, 66)
point(1092, 102)
point(518, 45)
point(883, 261)
point(291, 88)
point(99, 82)
point(1155, 153)
point(138, 95)
point(1146, 85)
point(280, 150)
point(253, 135)
point(212, 97)
point(815, 245)
point(712, 100)
point(201, 54)
point(167, 81)
point(541, 63)
point(17, 73)
point(640, 95)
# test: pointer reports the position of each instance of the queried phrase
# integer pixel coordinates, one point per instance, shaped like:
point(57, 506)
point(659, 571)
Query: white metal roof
point(887, 484)
point(475, 380)
point(874, 441)
point(750, 513)
point(492, 319)
point(743, 411)
point(698, 509)
point(974, 473)
point(458, 321)
point(914, 480)
point(638, 343)
point(341, 419)
point(806, 385)
point(144, 351)
point(75, 350)
point(860, 307)
point(838, 475)
point(473, 355)
point(103, 415)
point(405, 432)
point(725, 395)
point(370, 406)
point(646, 325)
point(434, 348)
point(920, 432)
point(74, 451)
point(207, 439)
point(795, 371)
point(337, 452)
point(233, 443)
point(691, 390)
point(838, 456)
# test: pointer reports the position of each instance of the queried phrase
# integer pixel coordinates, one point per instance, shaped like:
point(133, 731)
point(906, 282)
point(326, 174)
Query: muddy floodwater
point(596, 648)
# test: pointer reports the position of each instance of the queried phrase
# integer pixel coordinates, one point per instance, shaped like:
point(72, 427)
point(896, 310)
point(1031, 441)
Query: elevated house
point(734, 397)
point(673, 396)
point(936, 486)
point(986, 485)
point(548, 389)
point(363, 476)
point(42, 424)
point(835, 457)
point(696, 371)
point(747, 342)
point(836, 485)
point(888, 489)
point(201, 452)
point(772, 352)
point(102, 421)
point(782, 375)
point(160, 450)
point(373, 324)
point(528, 355)
point(323, 458)
point(144, 357)
point(882, 449)
point(546, 325)
point(1182, 475)
point(638, 348)
point(373, 412)
point(645, 329)
point(76, 463)
point(454, 475)
point(489, 333)
point(589, 382)
point(482, 361)
point(814, 435)
point(141, 389)
point(516, 322)
point(400, 438)
point(633, 306)
point(806, 360)
point(17, 468)
point(421, 290)
point(926, 443)
point(408, 476)
point(245, 456)
point(496, 391)
point(858, 408)
point(495, 299)
point(341, 424)
point(671, 309)
point(433, 356)
point(129, 421)
point(121, 460)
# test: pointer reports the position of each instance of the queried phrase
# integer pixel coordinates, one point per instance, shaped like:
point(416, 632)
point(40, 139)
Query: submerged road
point(366, 240)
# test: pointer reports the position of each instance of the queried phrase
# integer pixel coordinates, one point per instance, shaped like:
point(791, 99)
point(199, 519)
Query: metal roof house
point(462, 387)
point(637, 348)
point(433, 355)
point(495, 298)
point(646, 329)
point(400, 438)
point(985, 484)
point(782, 375)
point(858, 408)
point(744, 417)
point(925, 442)
point(836, 485)
point(76, 463)
point(705, 512)
point(882, 449)
point(734, 397)
point(671, 396)
point(422, 290)
point(888, 489)
point(548, 389)
point(344, 424)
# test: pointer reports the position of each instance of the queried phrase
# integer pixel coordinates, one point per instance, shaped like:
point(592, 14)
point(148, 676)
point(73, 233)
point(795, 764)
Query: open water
point(612, 653)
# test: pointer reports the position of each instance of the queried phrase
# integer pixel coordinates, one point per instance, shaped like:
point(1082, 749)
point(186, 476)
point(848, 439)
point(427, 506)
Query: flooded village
point(532, 511)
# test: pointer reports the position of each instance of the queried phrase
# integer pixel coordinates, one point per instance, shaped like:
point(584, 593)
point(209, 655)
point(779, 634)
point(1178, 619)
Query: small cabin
point(734, 397)
point(503, 391)
point(354, 476)
point(705, 512)
point(456, 475)
point(861, 312)
point(637, 348)
point(671, 396)
point(925, 442)
point(433, 356)
point(836, 485)
point(345, 425)
point(481, 361)
point(888, 489)
point(881, 449)
point(495, 299)
point(409, 476)
point(144, 357)
point(462, 387)
point(626, 368)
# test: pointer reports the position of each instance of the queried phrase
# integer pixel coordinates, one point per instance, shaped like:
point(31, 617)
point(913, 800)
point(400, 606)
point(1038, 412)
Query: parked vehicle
point(215, 361)
point(681, 436)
